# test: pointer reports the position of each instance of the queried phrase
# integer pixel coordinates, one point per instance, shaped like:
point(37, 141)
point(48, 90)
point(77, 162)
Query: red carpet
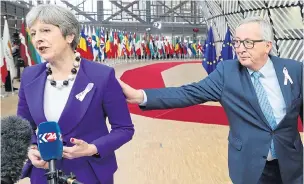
point(150, 77)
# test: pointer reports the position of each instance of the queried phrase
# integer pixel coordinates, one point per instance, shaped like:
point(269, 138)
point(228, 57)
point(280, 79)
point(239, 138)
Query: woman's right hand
point(35, 157)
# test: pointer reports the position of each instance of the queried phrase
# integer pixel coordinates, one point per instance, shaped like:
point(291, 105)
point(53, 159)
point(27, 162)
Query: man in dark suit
point(262, 96)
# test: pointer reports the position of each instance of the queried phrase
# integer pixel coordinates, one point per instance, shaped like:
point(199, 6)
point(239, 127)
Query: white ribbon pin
point(287, 77)
point(82, 94)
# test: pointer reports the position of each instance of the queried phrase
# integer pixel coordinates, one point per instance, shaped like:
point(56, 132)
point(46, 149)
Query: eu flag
point(209, 60)
point(227, 51)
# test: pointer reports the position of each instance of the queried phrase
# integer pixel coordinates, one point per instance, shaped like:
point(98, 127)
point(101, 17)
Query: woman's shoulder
point(95, 68)
point(31, 72)
point(36, 68)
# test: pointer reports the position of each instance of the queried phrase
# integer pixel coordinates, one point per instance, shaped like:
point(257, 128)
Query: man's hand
point(133, 96)
point(80, 149)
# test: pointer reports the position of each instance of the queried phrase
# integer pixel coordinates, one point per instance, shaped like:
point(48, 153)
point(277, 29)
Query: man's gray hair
point(266, 29)
point(57, 16)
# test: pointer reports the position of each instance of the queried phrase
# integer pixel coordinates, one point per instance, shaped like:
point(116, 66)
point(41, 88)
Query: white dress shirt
point(269, 81)
point(55, 100)
point(145, 98)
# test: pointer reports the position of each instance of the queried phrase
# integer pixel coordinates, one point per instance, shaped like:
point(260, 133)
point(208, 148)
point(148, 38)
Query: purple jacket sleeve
point(116, 108)
point(23, 109)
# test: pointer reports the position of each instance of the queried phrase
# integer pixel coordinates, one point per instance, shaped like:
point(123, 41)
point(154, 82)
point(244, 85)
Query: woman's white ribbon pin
point(82, 94)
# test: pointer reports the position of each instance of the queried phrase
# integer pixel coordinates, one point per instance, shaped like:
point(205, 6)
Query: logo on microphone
point(48, 137)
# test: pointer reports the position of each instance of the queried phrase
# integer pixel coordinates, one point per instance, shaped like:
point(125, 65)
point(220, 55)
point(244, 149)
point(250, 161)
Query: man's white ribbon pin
point(287, 77)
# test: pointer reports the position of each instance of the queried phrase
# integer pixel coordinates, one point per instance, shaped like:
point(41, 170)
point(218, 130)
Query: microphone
point(50, 146)
point(16, 134)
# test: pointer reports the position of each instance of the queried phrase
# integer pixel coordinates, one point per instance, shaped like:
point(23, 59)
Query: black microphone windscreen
point(16, 134)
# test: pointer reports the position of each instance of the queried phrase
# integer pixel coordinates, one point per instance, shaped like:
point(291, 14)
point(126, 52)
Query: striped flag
point(23, 46)
point(95, 43)
point(88, 34)
point(137, 45)
point(102, 44)
point(35, 57)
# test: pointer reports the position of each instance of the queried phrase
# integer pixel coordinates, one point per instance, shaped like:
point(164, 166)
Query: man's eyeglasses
point(248, 44)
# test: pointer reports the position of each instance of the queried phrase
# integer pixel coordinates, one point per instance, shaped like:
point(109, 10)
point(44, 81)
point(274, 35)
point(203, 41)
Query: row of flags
point(98, 44)
point(209, 57)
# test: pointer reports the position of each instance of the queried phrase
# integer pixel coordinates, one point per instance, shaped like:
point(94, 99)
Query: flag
point(115, 43)
point(137, 45)
point(127, 45)
point(227, 50)
point(82, 45)
point(88, 34)
point(177, 48)
point(108, 49)
point(35, 57)
point(24, 53)
point(148, 52)
point(199, 47)
point(7, 51)
point(193, 49)
point(159, 47)
point(3, 65)
point(167, 47)
point(95, 44)
point(209, 60)
point(102, 44)
point(185, 48)
point(151, 48)
point(189, 51)
point(171, 48)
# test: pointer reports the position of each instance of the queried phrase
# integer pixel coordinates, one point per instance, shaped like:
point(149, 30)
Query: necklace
point(71, 77)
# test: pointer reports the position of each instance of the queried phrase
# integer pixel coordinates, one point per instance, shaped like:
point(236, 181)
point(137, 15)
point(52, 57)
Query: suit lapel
point(34, 93)
point(250, 94)
point(75, 109)
point(286, 89)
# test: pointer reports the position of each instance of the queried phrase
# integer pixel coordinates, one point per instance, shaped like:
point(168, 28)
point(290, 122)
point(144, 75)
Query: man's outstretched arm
point(208, 89)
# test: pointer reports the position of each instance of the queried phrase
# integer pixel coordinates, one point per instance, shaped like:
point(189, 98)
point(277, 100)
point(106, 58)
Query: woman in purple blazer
point(76, 93)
